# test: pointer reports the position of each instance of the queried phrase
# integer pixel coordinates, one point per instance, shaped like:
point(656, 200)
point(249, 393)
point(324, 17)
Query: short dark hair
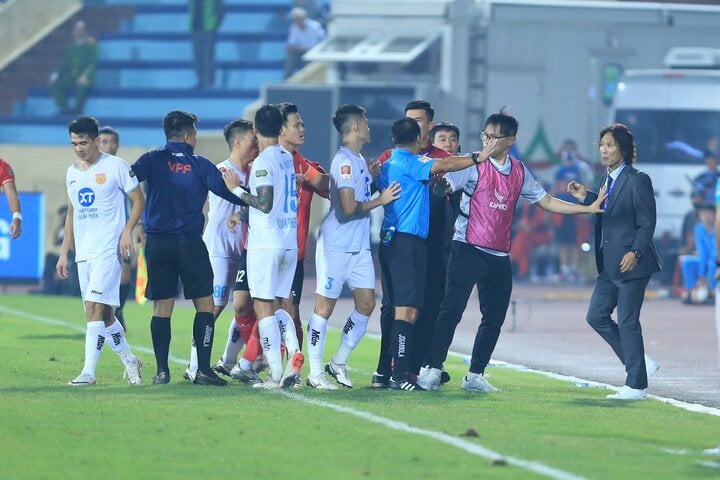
point(506, 123)
point(236, 128)
point(345, 115)
point(84, 125)
point(110, 131)
point(268, 120)
point(405, 131)
point(444, 127)
point(178, 123)
point(421, 105)
point(624, 139)
point(287, 109)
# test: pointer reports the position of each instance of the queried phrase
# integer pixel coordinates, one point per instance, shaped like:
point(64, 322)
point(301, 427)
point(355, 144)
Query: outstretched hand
point(596, 206)
point(390, 194)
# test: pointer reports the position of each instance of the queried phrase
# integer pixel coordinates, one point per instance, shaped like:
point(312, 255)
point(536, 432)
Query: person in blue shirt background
point(178, 181)
point(699, 270)
point(405, 228)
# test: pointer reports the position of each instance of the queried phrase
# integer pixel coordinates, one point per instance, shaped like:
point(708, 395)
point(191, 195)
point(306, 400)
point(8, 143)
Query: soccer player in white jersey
point(226, 247)
point(272, 245)
point(96, 226)
point(343, 249)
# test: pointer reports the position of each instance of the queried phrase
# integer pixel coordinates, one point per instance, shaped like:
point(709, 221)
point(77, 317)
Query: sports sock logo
point(349, 325)
point(207, 338)
point(266, 344)
point(235, 335)
point(401, 345)
point(116, 337)
point(282, 328)
point(100, 342)
point(314, 337)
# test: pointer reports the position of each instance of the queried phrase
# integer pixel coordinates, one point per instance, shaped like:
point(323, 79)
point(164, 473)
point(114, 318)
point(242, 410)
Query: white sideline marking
point(691, 407)
point(469, 447)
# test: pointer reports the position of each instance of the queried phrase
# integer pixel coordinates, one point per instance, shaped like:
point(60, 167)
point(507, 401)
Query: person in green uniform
point(77, 71)
point(205, 19)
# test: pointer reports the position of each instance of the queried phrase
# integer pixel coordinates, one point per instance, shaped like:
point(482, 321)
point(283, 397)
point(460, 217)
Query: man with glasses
point(480, 249)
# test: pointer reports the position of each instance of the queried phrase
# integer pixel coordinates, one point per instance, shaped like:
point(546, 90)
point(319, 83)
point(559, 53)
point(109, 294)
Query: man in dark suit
point(625, 256)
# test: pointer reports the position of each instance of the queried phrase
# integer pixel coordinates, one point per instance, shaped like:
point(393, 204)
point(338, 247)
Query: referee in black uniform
point(178, 182)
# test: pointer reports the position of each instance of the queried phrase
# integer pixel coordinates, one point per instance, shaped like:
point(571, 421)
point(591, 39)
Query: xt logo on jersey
point(349, 325)
point(177, 167)
point(86, 197)
point(314, 337)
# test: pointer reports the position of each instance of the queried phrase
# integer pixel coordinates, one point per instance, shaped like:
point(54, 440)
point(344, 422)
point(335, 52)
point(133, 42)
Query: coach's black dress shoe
point(161, 378)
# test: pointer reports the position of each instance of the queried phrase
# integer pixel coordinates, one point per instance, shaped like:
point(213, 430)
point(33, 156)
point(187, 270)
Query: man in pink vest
point(480, 249)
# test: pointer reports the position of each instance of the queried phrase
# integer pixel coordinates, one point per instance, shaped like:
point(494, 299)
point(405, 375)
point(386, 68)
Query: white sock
point(233, 346)
point(115, 336)
point(94, 340)
point(193, 367)
point(269, 330)
point(245, 364)
point(317, 328)
point(353, 332)
point(287, 331)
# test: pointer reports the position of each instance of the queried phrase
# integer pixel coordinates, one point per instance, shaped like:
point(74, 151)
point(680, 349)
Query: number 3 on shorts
point(329, 283)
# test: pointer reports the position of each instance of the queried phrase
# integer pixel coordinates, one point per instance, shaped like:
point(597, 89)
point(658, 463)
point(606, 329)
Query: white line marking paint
point(469, 447)
point(691, 407)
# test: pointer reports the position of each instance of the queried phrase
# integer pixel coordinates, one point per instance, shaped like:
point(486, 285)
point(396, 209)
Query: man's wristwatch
point(637, 254)
point(474, 156)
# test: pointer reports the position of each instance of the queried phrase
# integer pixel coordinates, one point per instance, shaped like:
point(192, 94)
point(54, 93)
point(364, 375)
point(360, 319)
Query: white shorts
point(270, 273)
point(335, 268)
point(100, 279)
point(224, 273)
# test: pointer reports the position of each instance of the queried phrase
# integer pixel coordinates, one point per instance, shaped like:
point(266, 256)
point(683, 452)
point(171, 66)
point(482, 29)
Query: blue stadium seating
point(146, 70)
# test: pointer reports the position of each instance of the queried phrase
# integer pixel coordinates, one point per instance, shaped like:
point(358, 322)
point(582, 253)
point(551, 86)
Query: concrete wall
point(23, 23)
point(545, 62)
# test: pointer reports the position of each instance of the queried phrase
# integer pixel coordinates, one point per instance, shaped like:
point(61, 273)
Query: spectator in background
point(7, 183)
point(573, 164)
point(205, 19)
point(77, 71)
point(304, 34)
point(706, 181)
point(314, 11)
point(699, 270)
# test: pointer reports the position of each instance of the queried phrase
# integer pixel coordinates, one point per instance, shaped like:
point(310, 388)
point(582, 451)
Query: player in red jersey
point(7, 183)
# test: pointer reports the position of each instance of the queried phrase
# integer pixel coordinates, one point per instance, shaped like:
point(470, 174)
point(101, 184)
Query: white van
point(674, 114)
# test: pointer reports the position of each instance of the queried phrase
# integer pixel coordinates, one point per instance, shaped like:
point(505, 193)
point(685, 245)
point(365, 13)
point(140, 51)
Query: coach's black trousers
point(492, 274)
point(625, 336)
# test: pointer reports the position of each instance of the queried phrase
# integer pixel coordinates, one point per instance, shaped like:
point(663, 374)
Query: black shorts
point(241, 281)
point(403, 264)
point(296, 291)
point(170, 257)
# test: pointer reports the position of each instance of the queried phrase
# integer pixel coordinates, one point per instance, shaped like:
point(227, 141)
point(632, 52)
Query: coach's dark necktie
point(609, 190)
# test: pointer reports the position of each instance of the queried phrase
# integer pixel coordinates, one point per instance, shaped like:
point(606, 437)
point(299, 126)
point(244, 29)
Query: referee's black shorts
point(182, 256)
point(403, 264)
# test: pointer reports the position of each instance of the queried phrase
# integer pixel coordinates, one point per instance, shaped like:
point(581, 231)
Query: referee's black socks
point(203, 334)
point(401, 338)
point(160, 331)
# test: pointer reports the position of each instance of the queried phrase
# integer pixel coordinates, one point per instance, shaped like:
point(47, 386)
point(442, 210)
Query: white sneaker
point(627, 393)
point(82, 380)
point(260, 364)
point(339, 373)
point(651, 366)
point(320, 382)
point(248, 377)
point(267, 384)
point(132, 373)
point(189, 374)
point(429, 378)
point(477, 384)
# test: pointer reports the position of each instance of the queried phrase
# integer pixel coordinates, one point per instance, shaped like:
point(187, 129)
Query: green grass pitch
point(542, 428)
